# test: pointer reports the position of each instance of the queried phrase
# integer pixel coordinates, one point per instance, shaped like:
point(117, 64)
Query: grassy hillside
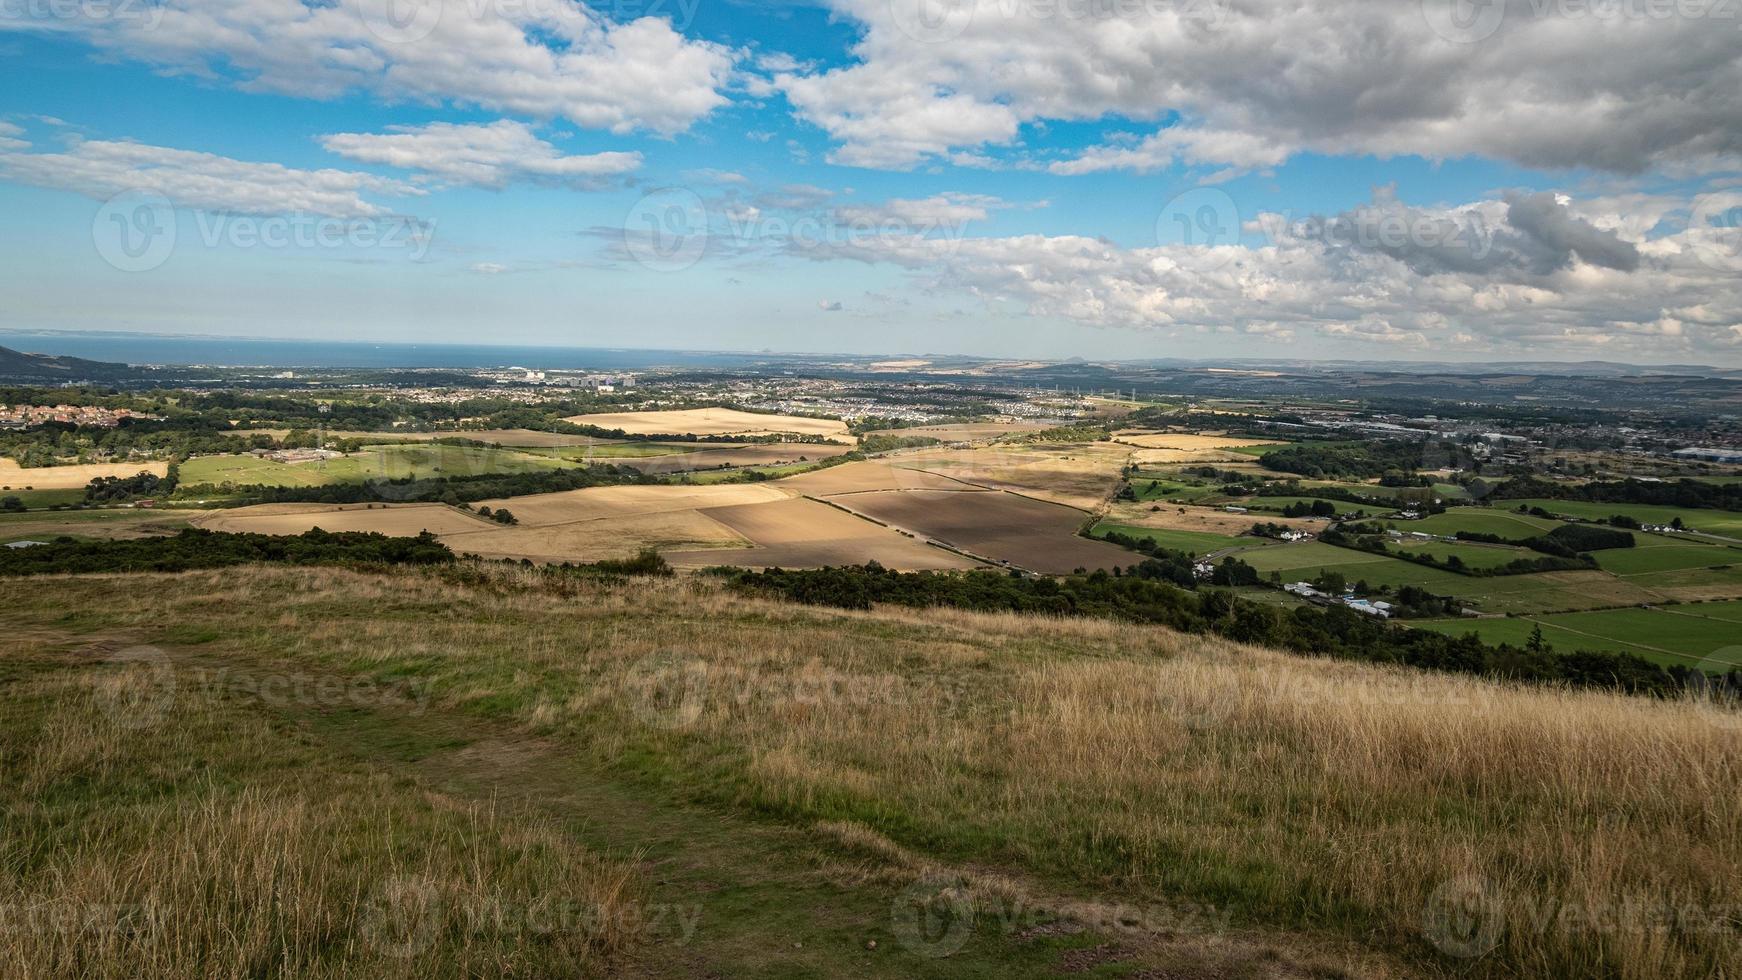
point(383, 774)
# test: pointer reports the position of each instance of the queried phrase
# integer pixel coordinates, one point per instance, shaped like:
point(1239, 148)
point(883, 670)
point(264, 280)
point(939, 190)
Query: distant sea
point(286, 354)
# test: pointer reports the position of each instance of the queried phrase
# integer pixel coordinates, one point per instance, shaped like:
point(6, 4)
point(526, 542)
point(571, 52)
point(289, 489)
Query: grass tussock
point(1478, 828)
point(210, 844)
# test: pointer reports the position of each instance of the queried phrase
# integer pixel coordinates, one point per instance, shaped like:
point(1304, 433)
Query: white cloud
point(492, 155)
point(542, 59)
point(101, 169)
point(941, 211)
point(1256, 80)
point(1529, 273)
point(11, 137)
point(1244, 151)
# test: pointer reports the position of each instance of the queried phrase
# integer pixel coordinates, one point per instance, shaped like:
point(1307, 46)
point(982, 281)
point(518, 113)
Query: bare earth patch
point(1008, 527)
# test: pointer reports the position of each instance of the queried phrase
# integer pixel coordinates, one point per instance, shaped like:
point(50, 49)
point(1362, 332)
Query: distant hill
point(19, 366)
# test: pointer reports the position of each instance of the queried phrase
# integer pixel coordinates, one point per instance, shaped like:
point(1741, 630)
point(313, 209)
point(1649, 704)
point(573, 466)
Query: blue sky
point(1143, 178)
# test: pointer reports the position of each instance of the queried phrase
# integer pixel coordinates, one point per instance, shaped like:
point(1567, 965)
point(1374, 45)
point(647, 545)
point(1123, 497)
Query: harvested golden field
point(1081, 476)
point(596, 540)
point(595, 503)
point(15, 477)
point(1027, 533)
point(800, 533)
point(713, 422)
point(1144, 439)
point(870, 475)
point(399, 520)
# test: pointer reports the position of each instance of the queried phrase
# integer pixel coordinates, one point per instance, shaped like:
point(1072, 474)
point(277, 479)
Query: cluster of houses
point(94, 416)
point(1318, 597)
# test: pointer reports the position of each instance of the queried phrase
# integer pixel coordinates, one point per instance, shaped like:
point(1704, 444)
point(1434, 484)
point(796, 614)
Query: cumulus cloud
point(829, 305)
point(12, 137)
point(541, 59)
point(1252, 81)
point(492, 155)
point(101, 169)
point(1553, 279)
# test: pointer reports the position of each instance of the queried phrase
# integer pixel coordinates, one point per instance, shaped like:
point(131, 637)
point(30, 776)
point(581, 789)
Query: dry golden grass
point(1140, 764)
point(216, 845)
point(400, 520)
point(70, 477)
point(614, 537)
point(595, 503)
point(713, 422)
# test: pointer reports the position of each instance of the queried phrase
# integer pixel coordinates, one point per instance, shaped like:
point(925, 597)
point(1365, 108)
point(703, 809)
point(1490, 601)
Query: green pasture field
point(43, 499)
point(1195, 542)
point(1167, 489)
point(1720, 522)
point(1275, 505)
point(1676, 635)
point(1663, 554)
point(250, 470)
point(1534, 592)
point(388, 462)
point(1481, 520)
point(615, 450)
point(1473, 555)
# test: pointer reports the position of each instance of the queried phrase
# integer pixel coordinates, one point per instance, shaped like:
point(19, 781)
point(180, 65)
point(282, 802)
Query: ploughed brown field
point(1028, 533)
point(801, 533)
